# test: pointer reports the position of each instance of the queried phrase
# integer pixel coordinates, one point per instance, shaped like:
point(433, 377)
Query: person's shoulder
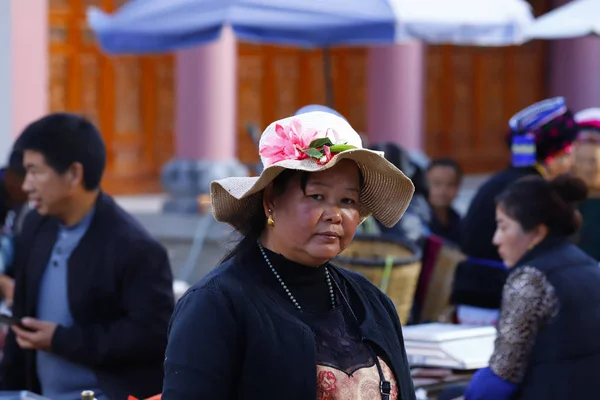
point(525, 276)
point(32, 220)
point(224, 277)
point(122, 227)
point(454, 214)
point(31, 225)
point(224, 281)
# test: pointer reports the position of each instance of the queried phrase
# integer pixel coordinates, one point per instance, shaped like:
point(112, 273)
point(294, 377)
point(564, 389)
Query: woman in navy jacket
point(277, 319)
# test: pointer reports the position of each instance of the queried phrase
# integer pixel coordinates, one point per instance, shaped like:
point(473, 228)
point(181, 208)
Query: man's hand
point(37, 336)
point(7, 287)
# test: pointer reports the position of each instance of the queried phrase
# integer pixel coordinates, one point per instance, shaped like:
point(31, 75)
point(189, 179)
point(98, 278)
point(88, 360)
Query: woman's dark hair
point(64, 139)
point(255, 225)
point(449, 163)
point(534, 201)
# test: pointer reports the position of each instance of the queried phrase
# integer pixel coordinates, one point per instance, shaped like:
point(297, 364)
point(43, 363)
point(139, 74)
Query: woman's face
point(314, 226)
point(511, 240)
point(443, 182)
point(587, 163)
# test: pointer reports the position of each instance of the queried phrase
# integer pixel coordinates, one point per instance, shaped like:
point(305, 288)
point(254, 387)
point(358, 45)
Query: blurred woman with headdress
point(586, 165)
point(539, 135)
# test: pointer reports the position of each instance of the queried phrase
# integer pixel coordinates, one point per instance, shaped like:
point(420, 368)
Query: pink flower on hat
point(287, 143)
point(294, 143)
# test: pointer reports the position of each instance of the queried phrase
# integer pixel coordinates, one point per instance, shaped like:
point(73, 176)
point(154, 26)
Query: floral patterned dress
point(346, 368)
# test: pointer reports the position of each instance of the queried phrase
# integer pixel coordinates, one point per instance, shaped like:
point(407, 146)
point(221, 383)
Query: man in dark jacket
point(93, 290)
point(539, 133)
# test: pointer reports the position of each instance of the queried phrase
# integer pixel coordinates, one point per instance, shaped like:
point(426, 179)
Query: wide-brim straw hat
point(386, 192)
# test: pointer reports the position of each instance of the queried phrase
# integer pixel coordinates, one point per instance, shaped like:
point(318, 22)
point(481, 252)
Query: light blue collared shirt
point(61, 379)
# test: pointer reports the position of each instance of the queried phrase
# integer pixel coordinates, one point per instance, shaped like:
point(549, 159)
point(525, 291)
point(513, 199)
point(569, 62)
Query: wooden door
point(274, 82)
point(472, 92)
point(129, 98)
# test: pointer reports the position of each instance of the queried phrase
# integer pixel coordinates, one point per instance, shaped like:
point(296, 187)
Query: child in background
point(444, 177)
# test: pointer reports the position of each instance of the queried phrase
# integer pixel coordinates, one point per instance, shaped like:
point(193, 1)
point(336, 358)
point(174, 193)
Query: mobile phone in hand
point(10, 320)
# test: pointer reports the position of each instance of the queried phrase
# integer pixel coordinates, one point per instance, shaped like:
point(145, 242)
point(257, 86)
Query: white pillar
point(29, 55)
point(396, 94)
point(206, 127)
point(6, 128)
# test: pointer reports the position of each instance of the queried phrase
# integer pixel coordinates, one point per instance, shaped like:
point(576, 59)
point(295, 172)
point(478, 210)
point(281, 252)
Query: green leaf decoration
point(315, 144)
point(338, 148)
point(313, 153)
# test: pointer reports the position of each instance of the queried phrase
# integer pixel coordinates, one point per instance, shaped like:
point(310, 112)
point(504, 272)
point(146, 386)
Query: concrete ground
point(177, 232)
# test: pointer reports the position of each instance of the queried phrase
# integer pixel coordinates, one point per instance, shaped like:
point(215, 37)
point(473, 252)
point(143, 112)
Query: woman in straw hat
point(277, 319)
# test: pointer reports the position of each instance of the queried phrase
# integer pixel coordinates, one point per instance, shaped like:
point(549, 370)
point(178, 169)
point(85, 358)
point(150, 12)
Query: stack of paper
point(458, 347)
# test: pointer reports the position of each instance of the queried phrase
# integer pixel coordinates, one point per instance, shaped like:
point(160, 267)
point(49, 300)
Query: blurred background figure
point(12, 196)
point(444, 177)
point(13, 209)
point(538, 134)
point(93, 290)
point(414, 225)
point(586, 165)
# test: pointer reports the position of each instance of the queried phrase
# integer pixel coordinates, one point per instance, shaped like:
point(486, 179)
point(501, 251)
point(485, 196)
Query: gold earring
point(270, 220)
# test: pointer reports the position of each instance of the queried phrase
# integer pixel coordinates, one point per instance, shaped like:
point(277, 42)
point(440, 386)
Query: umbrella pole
point(328, 75)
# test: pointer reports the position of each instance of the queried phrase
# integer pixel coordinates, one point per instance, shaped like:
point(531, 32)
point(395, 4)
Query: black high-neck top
point(307, 284)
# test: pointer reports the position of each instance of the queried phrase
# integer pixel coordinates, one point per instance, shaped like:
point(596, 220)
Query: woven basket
point(369, 255)
point(437, 298)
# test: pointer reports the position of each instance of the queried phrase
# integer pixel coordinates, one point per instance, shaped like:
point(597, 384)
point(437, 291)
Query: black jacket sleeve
point(204, 348)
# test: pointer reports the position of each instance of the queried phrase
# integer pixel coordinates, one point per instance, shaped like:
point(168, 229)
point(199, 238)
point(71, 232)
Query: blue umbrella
point(149, 26)
point(164, 25)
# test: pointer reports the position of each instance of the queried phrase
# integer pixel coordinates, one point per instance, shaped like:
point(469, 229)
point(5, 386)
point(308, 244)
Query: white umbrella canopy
point(575, 19)
point(463, 22)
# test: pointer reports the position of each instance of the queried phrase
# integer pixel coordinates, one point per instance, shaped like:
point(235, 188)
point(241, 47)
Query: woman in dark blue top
point(277, 319)
point(547, 344)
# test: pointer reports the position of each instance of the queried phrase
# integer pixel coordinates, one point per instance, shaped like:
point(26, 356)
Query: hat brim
point(386, 191)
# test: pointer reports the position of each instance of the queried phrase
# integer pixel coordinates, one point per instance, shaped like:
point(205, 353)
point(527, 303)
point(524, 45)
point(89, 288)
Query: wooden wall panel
point(131, 99)
point(275, 81)
point(471, 92)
